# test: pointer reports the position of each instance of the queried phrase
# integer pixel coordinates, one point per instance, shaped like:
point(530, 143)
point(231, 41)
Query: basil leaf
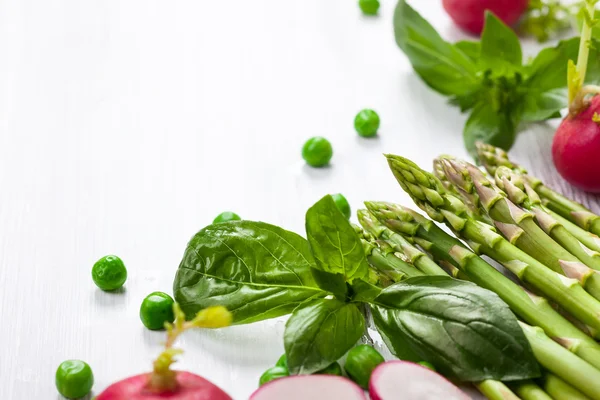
point(500, 46)
point(540, 106)
point(334, 283)
point(469, 48)
point(488, 125)
point(334, 243)
point(464, 330)
point(364, 291)
point(321, 333)
point(545, 91)
point(441, 65)
point(256, 270)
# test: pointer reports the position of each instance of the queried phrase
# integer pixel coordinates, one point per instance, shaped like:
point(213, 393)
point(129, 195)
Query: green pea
point(332, 369)
point(156, 310)
point(282, 362)
point(74, 379)
point(317, 151)
point(360, 363)
point(366, 123)
point(427, 365)
point(109, 273)
point(226, 216)
point(342, 204)
point(369, 7)
point(273, 373)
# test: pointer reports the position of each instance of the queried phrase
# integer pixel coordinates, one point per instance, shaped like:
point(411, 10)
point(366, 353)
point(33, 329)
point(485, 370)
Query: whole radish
point(165, 383)
point(576, 148)
point(576, 145)
point(469, 15)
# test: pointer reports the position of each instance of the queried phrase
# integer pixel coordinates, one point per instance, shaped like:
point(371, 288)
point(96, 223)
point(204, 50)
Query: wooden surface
point(126, 126)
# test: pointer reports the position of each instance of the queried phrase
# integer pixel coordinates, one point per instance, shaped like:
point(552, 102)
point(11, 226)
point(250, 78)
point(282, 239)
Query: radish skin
point(405, 380)
point(469, 15)
point(310, 387)
point(190, 387)
point(576, 148)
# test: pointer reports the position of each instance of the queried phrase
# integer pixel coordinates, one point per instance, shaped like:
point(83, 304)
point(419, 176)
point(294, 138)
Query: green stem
point(398, 243)
point(528, 390)
point(496, 390)
point(561, 390)
point(391, 266)
point(444, 248)
point(588, 239)
point(562, 363)
point(584, 50)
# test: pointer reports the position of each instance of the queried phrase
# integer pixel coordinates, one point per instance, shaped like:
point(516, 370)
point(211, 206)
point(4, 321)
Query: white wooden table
point(126, 126)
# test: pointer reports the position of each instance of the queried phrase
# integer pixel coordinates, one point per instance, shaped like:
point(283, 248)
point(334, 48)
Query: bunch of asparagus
point(546, 240)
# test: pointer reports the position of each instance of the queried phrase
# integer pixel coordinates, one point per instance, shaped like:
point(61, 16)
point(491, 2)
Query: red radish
point(576, 145)
point(469, 15)
point(400, 379)
point(576, 148)
point(165, 383)
point(310, 387)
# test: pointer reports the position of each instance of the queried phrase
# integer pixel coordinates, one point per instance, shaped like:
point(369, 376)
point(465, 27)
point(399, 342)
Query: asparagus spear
point(412, 255)
point(444, 248)
point(428, 193)
point(562, 363)
point(561, 390)
point(383, 260)
point(493, 390)
point(496, 390)
point(554, 224)
point(521, 229)
point(492, 157)
point(528, 390)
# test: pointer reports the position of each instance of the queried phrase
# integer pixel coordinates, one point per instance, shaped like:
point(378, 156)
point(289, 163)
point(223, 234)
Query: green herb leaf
point(442, 66)
point(467, 332)
point(256, 270)
point(364, 291)
point(470, 49)
point(486, 124)
point(320, 333)
point(334, 243)
point(500, 46)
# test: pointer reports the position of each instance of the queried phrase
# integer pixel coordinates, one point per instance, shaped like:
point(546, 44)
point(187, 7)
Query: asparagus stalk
point(444, 248)
point(492, 157)
point(529, 390)
point(521, 229)
point(493, 390)
point(496, 390)
point(411, 254)
point(562, 363)
point(383, 260)
point(561, 390)
point(583, 244)
point(429, 194)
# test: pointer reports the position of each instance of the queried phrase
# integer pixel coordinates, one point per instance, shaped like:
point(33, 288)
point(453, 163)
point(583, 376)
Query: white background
point(127, 126)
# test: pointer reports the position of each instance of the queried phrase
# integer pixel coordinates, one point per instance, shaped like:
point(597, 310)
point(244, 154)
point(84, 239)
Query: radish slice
point(312, 387)
point(404, 380)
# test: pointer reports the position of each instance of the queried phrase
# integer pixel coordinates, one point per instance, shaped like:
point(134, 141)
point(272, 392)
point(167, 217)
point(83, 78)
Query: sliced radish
point(404, 380)
point(311, 387)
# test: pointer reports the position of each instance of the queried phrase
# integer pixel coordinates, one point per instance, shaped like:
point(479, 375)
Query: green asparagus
point(533, 309)
point(429, 194)
point(561, 390)
point(562, 363)
point(412, 255)
point(521, 229)
point(492, 157)
point(528, 390)
point(496, 390)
